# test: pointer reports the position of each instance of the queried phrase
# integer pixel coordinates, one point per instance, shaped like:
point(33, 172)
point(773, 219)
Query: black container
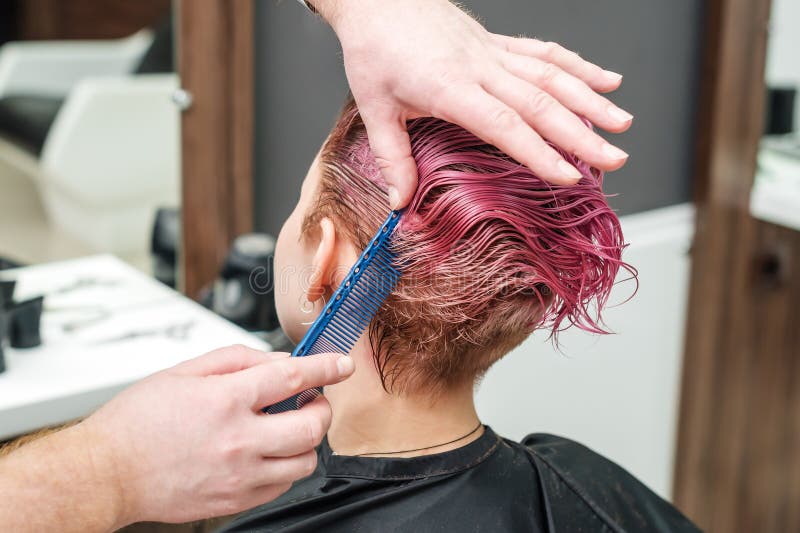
point(779, 110)
point(2, 339)
point(7, 293)
point(24, 324)
point(164, 245)
point(6, 301)
point(244, 292)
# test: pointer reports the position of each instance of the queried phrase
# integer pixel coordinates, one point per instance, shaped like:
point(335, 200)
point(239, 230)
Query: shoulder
point(572, 460)
point(579, 480)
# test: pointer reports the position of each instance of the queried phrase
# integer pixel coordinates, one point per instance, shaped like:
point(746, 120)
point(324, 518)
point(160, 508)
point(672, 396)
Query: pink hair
point(489, 251)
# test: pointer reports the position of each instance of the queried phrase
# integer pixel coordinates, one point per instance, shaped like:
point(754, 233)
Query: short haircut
point(489, 251)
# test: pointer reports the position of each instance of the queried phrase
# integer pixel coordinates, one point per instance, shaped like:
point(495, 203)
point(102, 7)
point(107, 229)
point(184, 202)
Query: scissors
point(173, 332)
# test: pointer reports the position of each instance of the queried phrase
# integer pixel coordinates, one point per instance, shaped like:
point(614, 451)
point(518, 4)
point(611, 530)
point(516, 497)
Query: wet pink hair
point(490, 251)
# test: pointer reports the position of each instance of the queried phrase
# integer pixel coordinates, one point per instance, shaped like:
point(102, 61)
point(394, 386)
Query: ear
point(323, 262)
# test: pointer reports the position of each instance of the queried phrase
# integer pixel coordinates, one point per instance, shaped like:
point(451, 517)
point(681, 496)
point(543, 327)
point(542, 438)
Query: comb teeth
point(352, 307)
point(358, 307)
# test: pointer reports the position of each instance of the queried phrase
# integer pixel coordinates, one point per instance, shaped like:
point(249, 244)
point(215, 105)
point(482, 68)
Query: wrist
point(105, 471)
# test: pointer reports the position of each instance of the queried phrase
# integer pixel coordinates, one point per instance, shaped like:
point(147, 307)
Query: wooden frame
point(738, 453)
point(216, 68)
point(86, 19)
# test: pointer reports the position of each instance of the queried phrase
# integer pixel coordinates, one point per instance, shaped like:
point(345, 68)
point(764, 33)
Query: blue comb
point(351, 308)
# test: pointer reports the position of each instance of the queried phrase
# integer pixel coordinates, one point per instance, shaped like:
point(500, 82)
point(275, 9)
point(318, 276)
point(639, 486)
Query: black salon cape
point(544, 484)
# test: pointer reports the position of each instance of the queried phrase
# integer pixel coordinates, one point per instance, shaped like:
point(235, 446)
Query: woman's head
point(489, 251)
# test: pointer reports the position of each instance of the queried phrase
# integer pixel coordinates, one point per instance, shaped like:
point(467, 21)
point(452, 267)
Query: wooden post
point(738, 453)
point(216, 68)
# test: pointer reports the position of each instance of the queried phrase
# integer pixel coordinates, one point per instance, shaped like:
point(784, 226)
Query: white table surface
point(82, 362)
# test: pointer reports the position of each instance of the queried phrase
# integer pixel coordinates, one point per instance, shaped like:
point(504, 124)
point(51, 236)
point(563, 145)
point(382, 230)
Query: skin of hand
point(410, 58)
point(186, 443)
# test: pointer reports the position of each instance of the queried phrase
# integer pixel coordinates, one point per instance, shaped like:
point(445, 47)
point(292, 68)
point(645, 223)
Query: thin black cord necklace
point(420, 449)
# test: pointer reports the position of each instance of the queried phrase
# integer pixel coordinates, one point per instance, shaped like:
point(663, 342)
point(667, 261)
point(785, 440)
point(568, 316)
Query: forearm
point(59, 483)
point(184, 444)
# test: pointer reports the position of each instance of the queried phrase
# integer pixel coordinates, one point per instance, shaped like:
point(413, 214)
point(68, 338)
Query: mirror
point(89, 132)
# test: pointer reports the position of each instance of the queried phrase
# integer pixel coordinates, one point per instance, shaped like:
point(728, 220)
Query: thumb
point(391, 146)
point(274, 381)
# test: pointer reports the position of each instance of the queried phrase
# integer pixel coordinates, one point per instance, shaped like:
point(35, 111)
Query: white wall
point(783, 62)
point(619, 393)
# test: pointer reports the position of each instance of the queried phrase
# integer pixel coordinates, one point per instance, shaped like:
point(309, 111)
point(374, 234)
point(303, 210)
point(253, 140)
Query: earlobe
point(323, 260)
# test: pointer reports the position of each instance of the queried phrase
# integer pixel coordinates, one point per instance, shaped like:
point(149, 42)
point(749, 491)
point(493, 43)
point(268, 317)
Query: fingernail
point(568, 171)
point(394, 197)
point(613, 76)
point(620, 115)
point(345, 365)
point(613, 152)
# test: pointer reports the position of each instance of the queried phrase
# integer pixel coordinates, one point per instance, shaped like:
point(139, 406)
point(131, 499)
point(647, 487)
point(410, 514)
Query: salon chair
point(92, 127)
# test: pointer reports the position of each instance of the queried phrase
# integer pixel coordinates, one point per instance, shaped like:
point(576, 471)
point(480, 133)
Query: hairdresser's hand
point(190, 442)
point(411, 58)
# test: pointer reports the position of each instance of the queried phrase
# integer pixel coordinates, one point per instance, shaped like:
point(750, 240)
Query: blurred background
point(175, 135)
point(90, 136)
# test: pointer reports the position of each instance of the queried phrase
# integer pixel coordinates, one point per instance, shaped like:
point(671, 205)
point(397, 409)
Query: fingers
point(594, 76)
point(554, 122)
point(286, 469)
point(391, 146)
point(269, 383)
point(493, 121)
point(293, 432)
point(569, 90)
point(226, 360)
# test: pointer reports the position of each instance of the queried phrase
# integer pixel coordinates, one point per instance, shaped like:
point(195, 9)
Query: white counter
point(91, 305)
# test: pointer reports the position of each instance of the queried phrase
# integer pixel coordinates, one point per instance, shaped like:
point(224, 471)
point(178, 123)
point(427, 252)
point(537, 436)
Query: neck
point(369, 421)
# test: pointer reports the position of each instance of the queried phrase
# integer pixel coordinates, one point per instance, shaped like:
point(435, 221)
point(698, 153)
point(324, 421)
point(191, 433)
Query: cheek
point(288, 292)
